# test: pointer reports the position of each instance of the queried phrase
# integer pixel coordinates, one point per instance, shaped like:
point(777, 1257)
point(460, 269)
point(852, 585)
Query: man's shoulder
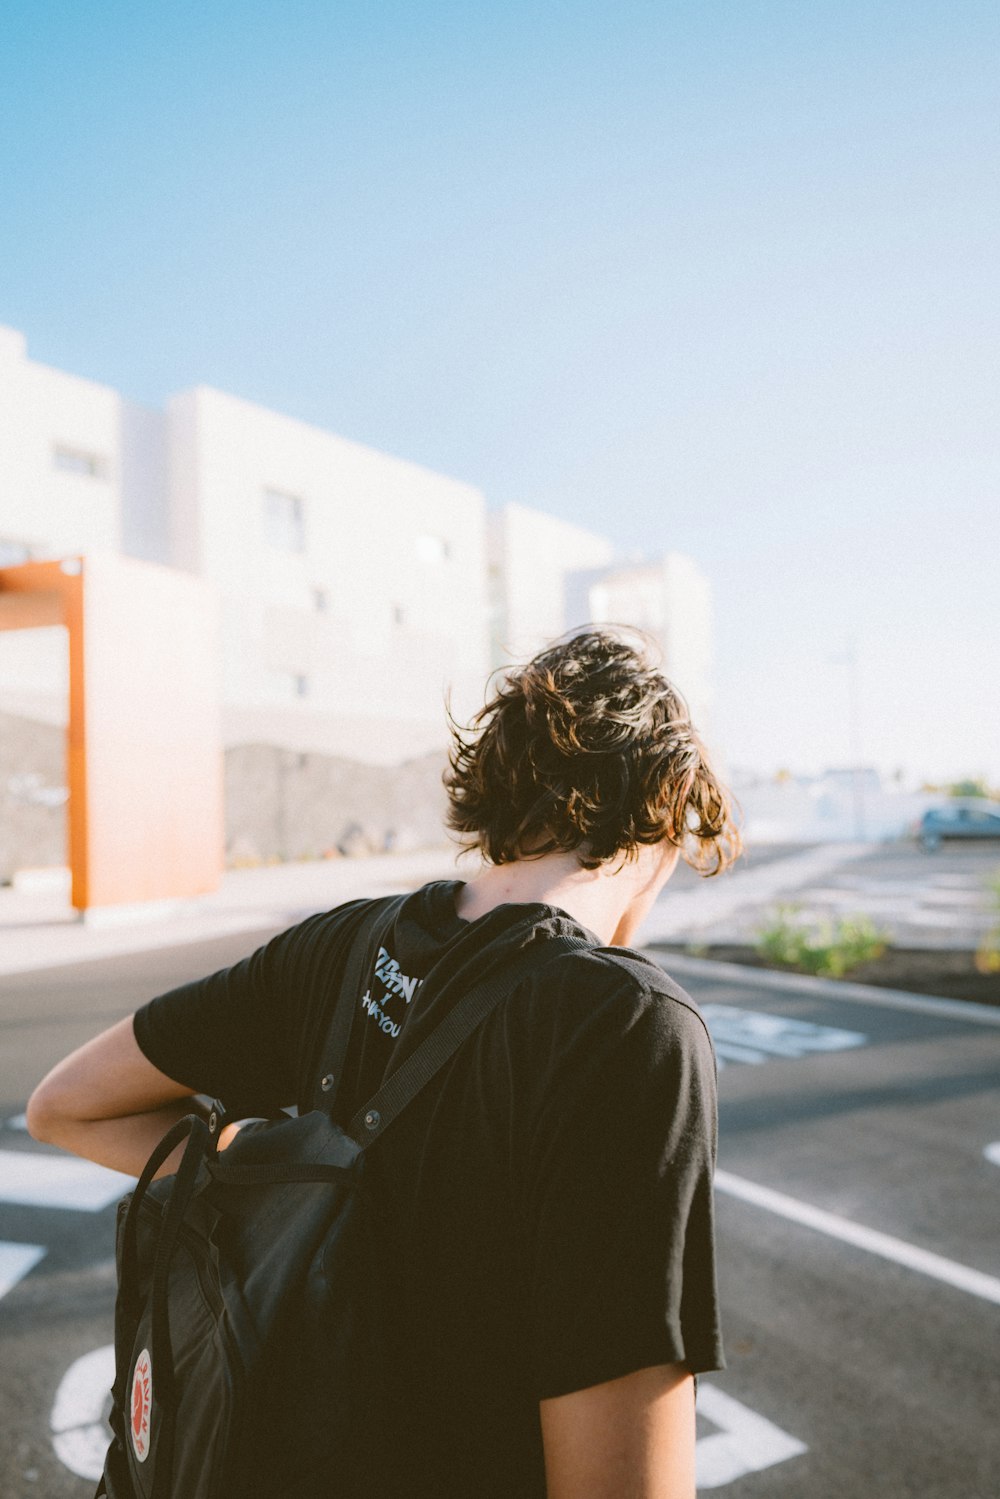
point(608, 1024)
point(620, 985)
point(350, 916)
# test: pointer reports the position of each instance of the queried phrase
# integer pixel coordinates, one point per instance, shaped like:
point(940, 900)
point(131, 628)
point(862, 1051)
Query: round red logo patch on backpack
point(142, 1401)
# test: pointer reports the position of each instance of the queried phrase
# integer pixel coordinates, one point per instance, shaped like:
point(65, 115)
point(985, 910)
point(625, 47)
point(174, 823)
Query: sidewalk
point(712, 909)
point(40, 929)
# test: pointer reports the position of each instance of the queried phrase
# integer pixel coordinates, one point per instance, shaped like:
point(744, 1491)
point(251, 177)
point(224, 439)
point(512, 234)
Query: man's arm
point(631, 1438)
point(106, 1102)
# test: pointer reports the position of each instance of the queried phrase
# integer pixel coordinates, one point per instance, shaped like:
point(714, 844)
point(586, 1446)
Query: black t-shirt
point(548, 1196)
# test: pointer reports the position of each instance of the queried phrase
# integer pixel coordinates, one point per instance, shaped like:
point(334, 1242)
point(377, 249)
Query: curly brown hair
point(588, 747)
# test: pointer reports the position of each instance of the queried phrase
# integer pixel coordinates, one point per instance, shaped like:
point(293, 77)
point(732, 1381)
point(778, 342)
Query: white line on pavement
point(992, 1153)
point(58, 1181)
point(840, 989)
point(987, 1287)
point(15, 1262)
point(747, 1443)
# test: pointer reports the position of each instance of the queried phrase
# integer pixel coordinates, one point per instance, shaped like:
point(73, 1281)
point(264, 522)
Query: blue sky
point(713, 277)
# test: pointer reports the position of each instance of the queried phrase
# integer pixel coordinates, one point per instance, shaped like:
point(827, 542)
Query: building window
point(77, 461)
point(289, 684)
point(13, 553)
point(284, 521)
point(432, 548)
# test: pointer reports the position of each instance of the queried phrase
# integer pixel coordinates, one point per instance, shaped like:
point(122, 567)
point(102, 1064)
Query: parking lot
point(920, 899)
point(857, 1225)
point(857, 1202)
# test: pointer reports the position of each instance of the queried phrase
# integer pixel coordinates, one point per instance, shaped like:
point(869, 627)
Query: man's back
point(546, 1251)
point(540, 1229)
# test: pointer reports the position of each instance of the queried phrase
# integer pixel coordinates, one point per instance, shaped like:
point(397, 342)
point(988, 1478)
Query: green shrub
point(988, 952)
point(827, 948)
point(782, 940)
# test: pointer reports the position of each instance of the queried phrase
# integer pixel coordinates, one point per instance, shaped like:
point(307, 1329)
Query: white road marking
point(752, 1036)
point(992, 1153)
point(80, 1433)
point(842, 990)
point(59, 1181)
point(747, 1442)
point(725, 1052)
point(975, 1282)
point(15, 1262)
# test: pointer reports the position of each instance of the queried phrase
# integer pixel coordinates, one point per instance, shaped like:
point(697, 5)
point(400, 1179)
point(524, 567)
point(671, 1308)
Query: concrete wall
point(279, 804)
point(282, 804)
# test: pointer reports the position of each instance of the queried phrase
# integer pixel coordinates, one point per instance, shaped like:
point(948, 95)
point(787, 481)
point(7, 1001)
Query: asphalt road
point(858, 1364)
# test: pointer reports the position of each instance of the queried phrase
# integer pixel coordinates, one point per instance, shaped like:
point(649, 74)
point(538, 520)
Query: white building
point(81, 469)
point(671, 599)
point(352, 584)
point(356, 589)
point(547, 577)
point(534, 559)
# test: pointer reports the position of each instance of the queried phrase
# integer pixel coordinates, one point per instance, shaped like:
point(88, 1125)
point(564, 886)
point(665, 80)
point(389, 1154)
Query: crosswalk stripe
point(31, 1179)
point(15, 1262)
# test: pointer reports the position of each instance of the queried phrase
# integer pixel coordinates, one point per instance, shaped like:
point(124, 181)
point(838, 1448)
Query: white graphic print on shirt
point(394, 984)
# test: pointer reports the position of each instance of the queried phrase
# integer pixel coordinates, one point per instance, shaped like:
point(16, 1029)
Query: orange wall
point(145, 757)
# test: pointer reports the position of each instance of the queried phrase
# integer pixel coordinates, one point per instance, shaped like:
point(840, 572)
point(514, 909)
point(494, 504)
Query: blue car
point(960, 819)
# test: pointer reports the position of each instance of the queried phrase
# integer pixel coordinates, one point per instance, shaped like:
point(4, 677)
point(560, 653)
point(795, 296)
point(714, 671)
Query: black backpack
point(250, 1336)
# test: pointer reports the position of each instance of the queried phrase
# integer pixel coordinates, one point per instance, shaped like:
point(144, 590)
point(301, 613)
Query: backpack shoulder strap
point(374, 1117)
point(326, 1084)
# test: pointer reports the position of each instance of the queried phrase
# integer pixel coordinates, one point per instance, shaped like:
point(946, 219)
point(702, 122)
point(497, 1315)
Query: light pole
point(850, 660)
point(854, 709)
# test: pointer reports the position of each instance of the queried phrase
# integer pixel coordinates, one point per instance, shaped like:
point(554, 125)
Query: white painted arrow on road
point(80, 1432)
point(746, 1443)
point(31, 1179)
point(755, 1036)
point(15, 1262)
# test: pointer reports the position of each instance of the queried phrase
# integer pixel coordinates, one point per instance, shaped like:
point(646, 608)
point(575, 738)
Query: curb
point(866, 994)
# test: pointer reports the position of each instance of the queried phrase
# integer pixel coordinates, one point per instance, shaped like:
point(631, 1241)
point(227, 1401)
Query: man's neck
point(610, 900)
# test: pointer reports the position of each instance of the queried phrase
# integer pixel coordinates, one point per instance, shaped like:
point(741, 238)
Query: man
point(548, 1251)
